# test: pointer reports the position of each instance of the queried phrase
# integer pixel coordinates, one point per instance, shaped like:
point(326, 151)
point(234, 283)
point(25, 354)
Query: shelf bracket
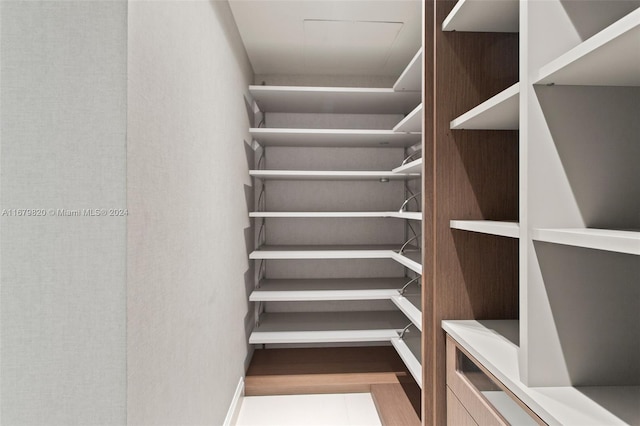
point(404, 205)
point(262, 196)
point(256, 312)
point(262, 271)
point(262, 235)
point(404, 288)
point(415, 237)
point(261, 159)
point(409, 158)
point(405, 330)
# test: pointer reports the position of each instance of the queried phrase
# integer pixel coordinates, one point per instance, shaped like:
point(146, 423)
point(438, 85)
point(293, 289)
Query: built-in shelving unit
point(483, 16)
point(330, 175)
point(492, 227)
point(501, 112)
point(569, 350)
point(472, 173)
point(327, 327)
point(495, 345)
point(353, 325)
point(609, 58)
point(412, 123)
point(335, 100)
point(341, 304)
point(599, 239)
point(333, 137)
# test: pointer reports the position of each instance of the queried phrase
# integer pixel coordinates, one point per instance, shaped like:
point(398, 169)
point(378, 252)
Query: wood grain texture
point(457, 415)
point(428, 222)
point(329, 370)
point(473, 175)
point(467, 394)
point(453, 351)
point(289, 361)
point(296, 384)
point(393, 406)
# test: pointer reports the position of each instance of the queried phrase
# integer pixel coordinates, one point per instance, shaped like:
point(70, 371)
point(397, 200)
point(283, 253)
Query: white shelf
point(409, 306)
point(494, 16)
point(501, 112)
point(329, 175)
point(414, 166)
point(399, 215)
point(492, 227)
point(326, 252)
point(333, 100)
point(411, 78)
point(411, 123)
point(599, 239)
point(404, 260)
point(408, 215)
point(410, 357)
point(328, 327)
point(492, 344)
point(339, 252)
point(609, 58)
point(333, 137)
point(289, 290)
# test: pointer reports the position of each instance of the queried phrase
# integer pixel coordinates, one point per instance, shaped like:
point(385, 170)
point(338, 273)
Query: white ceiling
point(334, 37)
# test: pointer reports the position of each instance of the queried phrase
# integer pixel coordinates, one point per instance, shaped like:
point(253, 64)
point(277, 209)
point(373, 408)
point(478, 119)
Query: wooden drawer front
point(472, 385)
point(457, 415)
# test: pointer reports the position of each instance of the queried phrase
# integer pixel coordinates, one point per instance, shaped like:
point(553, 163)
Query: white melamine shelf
point(326, 252)
point(399, 215)
point(329, 175)
point(290, 290)
point(409, 350)
point(408, 215)
point(492, 344)
point(599, 239)
point(409, 305)
point(501, 112)
point(609, 58)
point(414, 166)
point(333, 100)
point(503, 229)
point(406, 260)
point(411, 78)
point(328, 327)
point(494, 16)
point(411, 123)
point(333, 137)
point(340, 252)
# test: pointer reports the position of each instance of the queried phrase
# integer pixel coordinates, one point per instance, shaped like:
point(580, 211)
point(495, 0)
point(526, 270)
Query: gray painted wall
point(63, 144)
point(188, 229)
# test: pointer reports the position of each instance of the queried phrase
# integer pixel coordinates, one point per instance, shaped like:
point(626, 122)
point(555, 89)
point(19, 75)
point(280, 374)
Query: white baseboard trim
point(236, 403)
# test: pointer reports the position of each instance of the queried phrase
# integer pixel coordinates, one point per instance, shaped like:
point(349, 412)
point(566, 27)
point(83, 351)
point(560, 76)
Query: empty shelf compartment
point(328, 327)
point(286, 290)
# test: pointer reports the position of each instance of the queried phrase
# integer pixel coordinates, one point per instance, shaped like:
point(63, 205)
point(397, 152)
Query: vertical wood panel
point(428, 228)
point(473, 175)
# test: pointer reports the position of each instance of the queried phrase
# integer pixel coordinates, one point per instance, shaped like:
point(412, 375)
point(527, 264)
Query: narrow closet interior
point(337, 172)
